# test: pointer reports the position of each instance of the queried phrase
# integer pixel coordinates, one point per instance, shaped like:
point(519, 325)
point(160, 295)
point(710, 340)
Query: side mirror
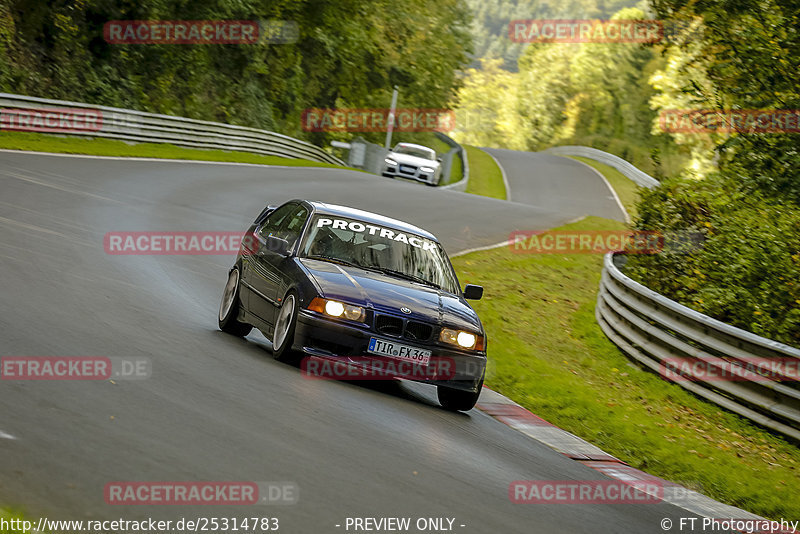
point(277, 245)
point(472, 292)
point(439, 160)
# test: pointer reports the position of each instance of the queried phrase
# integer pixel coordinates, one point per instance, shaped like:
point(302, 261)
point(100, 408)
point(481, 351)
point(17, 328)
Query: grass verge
point(456, 170)
point(485, 177)
point(548, 353)
point(107, 147)
point(627, 190)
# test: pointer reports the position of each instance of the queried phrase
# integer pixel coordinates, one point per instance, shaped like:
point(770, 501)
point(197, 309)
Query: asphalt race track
point(217, 408)
point(555, 182)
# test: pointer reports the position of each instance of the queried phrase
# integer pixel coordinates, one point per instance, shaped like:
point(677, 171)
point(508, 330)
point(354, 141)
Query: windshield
point(412, 151)
point(374, 247)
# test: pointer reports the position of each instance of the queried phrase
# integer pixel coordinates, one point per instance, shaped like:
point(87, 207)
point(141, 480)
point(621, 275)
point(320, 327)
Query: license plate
point(406, 168)
point(399, 351)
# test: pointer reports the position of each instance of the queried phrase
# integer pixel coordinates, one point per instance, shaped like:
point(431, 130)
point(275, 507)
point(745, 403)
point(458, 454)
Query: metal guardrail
point(130, 125)
point(653, 329)
point(628, 170)
point(458, 150)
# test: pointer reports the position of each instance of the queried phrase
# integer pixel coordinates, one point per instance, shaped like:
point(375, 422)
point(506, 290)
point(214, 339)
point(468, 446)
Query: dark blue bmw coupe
point(359, 289)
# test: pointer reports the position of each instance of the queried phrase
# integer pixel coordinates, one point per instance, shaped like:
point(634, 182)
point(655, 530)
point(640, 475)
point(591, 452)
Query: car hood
point(386, 293)
point(413, 160)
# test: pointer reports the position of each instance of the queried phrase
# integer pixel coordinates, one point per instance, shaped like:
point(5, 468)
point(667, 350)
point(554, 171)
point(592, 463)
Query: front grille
point(391, 326)
point(418, 331)
point(408, 168)
point(396, 326)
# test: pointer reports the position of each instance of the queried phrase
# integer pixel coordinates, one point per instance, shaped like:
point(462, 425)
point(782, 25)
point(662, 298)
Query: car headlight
point(426, 169)
point(390, 161)
point(334, 308)
point(463, 339)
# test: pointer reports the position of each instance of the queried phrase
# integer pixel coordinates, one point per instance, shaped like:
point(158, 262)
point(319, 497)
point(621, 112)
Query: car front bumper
point(342, 343)
point(410, 172)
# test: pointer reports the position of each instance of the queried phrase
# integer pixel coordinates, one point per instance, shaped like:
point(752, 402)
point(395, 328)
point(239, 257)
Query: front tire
point(283, 336)
point(229, 308)
point(457, 400)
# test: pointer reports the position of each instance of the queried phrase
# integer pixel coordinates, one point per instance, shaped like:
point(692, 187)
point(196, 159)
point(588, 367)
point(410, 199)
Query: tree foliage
point(349, 53)
point(746, 56)
point(746, 272)
point(491, 18)
point(743, 54)
point(682, 83)
point(595, 94)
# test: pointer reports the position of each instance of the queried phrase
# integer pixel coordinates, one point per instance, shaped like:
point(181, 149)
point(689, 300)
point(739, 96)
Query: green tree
point(491, 19)
point(738, 55)
point(485, 115)
point(683, 84)
point(750, 49)
point(594, 94)
point(348, 53)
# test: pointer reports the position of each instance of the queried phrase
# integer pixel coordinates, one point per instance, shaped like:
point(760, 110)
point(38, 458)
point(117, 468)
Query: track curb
point(523, 420)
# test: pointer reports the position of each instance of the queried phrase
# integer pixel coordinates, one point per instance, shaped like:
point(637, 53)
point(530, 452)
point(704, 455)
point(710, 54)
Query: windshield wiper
point(401, 274)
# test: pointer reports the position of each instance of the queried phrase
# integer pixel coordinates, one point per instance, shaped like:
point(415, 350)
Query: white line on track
point(3, 435)
point(502, 173)
point(478, 249)
point(507, 242)
point(613, 191)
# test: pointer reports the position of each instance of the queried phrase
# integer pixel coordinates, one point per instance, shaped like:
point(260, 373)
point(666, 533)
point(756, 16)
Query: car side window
point(293, 224)
point(275, 220)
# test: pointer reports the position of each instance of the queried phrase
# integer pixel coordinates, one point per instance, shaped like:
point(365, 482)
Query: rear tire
point(229, 308)
point(457, 400)
point(283, 336)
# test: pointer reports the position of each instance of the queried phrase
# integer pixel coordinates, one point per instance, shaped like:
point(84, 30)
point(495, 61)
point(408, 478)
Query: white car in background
point(412, 161)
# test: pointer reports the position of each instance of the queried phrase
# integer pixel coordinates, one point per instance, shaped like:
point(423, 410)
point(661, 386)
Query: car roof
point(415, 146)
point(344, 211)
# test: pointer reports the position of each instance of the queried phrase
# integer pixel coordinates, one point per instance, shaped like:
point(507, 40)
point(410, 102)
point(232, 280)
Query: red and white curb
point(512, 414)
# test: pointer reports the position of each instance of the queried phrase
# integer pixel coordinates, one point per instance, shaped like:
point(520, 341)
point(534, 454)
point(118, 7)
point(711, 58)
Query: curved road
point(218, 408)
point(557, 183)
